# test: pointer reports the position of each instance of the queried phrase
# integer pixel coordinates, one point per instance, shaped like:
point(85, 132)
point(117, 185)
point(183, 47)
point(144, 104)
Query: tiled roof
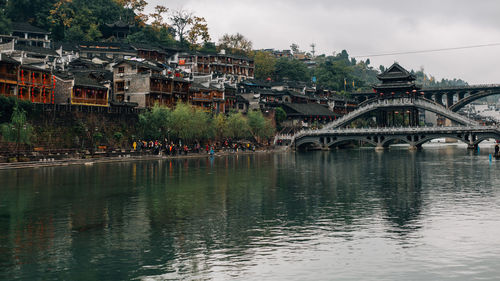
point(307, 109)
point(36, 50)
point(26, 27)
point(146, 47)
point(139, 64)
point(7, 59)
point(106, 46)
point(85, 79)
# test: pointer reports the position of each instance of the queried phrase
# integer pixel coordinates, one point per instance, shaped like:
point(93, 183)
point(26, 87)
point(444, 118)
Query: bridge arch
point(470, 98)
point(304, 143)
point(391, 140)
point(433, 137)
point(482, 138)
point(338, 141)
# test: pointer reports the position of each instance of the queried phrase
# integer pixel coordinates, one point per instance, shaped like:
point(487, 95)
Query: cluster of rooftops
point(140, 75)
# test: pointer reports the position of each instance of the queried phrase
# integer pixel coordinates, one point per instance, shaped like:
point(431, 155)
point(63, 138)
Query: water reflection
point(223, 217)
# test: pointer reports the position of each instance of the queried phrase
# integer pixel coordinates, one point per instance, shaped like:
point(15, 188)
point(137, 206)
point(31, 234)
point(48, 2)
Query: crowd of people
point(174, 149)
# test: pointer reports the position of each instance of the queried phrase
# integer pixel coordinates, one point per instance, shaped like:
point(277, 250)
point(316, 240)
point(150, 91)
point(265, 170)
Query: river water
point(341, 215)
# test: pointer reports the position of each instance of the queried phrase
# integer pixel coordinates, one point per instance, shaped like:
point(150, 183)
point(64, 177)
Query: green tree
point(32, 11)
point(237, 126)
point(208, 47)
point(150, 35)
point(75, 20)
point(154, 123)
point(198, 31)
point(4, 20)
point(279, 116)
point(265, 65)
point(260, 128)
point(236, 44)
point(295, 48)
point(135, 9)
point(200, 125)
point(219, 126)
point(118, 138)
point(293, 70)
point(180, 120)
point(18, 130)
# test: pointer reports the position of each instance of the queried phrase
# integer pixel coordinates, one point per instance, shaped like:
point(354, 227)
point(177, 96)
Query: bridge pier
point(413, 148)
point(471, 138)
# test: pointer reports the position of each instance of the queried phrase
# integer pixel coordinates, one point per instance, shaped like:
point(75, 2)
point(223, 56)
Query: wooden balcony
point(8, 77)
point(90, 101)
point(89, 97)
point(161, 88)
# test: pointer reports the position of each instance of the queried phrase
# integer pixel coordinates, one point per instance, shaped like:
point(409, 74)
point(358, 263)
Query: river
point(340, 215)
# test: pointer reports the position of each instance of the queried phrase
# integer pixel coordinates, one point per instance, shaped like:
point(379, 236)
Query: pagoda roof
point(119, 24)
point(396, 72)
point(395, 86)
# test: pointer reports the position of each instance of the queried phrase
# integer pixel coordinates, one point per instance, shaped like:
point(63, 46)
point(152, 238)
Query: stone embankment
point(131, 157)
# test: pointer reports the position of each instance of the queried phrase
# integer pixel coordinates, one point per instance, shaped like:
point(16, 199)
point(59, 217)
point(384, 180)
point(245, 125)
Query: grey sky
point(368, 27)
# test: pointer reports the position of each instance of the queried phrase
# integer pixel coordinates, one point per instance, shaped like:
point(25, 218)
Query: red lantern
point(53, 98)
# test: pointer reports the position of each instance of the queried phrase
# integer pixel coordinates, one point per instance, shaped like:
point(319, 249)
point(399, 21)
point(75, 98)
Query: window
point(121, 69)
point(120, 86)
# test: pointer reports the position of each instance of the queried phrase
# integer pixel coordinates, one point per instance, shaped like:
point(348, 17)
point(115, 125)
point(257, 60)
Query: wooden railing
point(93, 101)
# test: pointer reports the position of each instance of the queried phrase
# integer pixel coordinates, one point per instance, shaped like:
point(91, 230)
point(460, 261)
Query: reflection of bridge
point(396, 107)
point(454, 97)
point(383, 137)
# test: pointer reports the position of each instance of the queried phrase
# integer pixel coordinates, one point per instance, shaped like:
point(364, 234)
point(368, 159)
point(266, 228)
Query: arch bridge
point(402, 103)
point(453, 98)
point(383, 137)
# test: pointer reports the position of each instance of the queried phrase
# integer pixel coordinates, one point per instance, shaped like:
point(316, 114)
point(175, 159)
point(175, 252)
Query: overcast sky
point(365, 27)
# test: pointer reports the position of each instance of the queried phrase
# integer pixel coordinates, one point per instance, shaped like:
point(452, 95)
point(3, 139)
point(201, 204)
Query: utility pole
point(313, 46)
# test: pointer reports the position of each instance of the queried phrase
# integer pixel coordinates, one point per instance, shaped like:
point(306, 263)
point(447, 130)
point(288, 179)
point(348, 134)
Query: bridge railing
point(470, 87)
point(422, 102)
point(397, 130)
point(445, 111)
